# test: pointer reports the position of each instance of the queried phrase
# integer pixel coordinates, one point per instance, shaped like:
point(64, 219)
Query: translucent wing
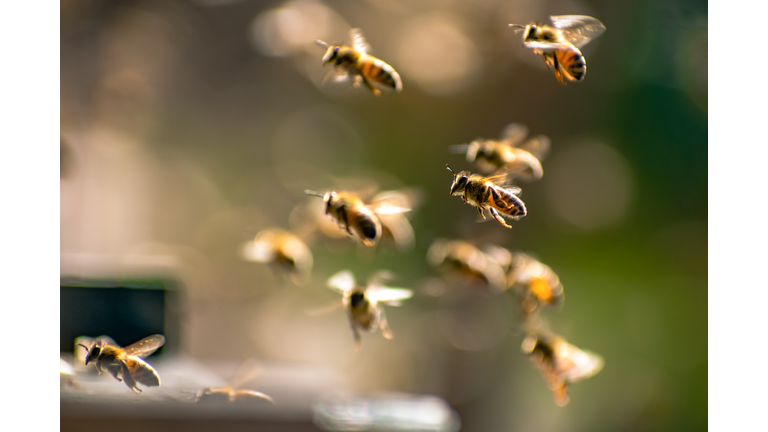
point(342, 281)
point(578, 29)
point(387, 208)
point(377, 279)
point(388, 296)
point(574, 364)
point(248, 369)
point(146, 346)
point(546, 46)
point(358, 41)
point(254, 393)
point(514, 133)
point(538, 146)
point(515, 190)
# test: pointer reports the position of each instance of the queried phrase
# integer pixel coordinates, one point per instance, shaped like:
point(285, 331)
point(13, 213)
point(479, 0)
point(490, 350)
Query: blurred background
point(189, 126)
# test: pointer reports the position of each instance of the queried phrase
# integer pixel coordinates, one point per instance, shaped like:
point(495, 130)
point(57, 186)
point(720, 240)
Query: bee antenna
point(86, 348)
point(449, 169)
point(321, 43)
point(313, 193)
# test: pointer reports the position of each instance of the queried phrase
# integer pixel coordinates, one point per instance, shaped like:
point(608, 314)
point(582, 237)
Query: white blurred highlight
point(437, 56)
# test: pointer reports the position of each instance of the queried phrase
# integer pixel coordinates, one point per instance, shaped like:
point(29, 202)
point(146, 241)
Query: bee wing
point(377, 279)
point(546, 46)
point(324, 309)
point(248, 369)
point(358, 41)
point(514, 133)
point(406, 198)
point(259, 250)
point(342, 281)
point(578, 29)
point(387, 208)
point(515, 190)
point(538, 146)
point(146, 346)
point(575, 364)
point(388, 296)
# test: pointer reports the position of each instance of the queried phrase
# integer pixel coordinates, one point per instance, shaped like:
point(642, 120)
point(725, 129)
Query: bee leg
point(558, 70)
point(355, 332)
point(370, 86)
point(129, 381)
point(384, 326)
point(480, 209)
point(498, 217)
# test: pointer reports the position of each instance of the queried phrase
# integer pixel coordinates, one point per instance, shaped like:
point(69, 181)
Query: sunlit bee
point(355, 217)
point(283, 251)
point(560, 363)
point(355, 64)
point(231, 392)
point(126, 362)
point(509, 154)
point(535, 282)
point(464, 261)
point(364, 304)
point(560, 43)
point(484, 193)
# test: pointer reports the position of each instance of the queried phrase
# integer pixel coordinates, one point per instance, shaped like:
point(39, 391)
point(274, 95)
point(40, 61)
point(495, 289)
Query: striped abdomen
point(508, 203)
point(572, 63)
point(379, 72)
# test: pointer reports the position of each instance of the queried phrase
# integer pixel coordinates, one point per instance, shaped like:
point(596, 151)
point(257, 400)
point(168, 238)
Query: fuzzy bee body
point(283, 251)
point(126, 362)
point(484, 193)
point(462, 259)
point(356, 64)
point(560, 43)
point(231, 393)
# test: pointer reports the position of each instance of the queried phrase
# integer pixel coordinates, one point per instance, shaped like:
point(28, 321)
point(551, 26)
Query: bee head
point(356, 298)
point(331, 200)
point(93, 352)
point(331, 54)
point(460, 181)
point(531, 32)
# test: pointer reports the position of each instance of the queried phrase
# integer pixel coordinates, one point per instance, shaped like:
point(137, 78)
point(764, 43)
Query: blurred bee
point(126, 362)
point(559, 44)
point(459, 258)
point(535, 283)
point(356, 217)
point(509, 154)
point(230, 393)
point(284, 252)
point(364, 303)
point(484, 193)
point(356, 64)
point(395, 227)
point(66, 374)
point(560, 363)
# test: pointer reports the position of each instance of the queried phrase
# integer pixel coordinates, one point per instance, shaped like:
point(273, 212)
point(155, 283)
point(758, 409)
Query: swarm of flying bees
point(371, 219)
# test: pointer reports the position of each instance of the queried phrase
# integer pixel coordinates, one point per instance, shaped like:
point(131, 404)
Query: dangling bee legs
point(384, 326)
point(480, 209)
point(355, 333)
point(558, 70)
point(497, 216)
point(370, 86)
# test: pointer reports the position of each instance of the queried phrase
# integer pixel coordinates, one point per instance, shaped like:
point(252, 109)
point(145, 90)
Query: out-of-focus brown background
point(188, 126)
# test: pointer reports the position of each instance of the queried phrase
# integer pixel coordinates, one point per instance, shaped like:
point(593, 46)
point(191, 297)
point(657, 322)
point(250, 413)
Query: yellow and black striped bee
point(559, 44)
point(283, 251)
point(126, 362)
point(484, 193)
point(364, 303)
point(510, 154)
point(535, 283)
point(560, 363)
point(355, 216)
point(230, 393)
point(354, 63)
point(463, 260)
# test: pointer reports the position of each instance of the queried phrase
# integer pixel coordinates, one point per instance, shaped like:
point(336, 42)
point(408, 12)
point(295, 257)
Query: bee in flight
point(247, 370)
point(461, 259)
point(484, 193)
point(283, 251)
point(355, 216)
point(354, 63)
point(560, 43)
point(510, 154)
point(364, 303)
point(126, 362)
point(535, 283)
point(560, 363)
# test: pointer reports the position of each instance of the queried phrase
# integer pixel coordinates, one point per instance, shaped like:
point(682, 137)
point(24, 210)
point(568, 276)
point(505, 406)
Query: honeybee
point(484, 193)
point(465, 260)
point(509, 154)
point(230, 392)
point(535, 283)
point(364, 303)
point(355, 217)
point(126, 362)
point(356, 64)
point(395, 227)
point(559, 44)
point(283, 251)
point(560, 363)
